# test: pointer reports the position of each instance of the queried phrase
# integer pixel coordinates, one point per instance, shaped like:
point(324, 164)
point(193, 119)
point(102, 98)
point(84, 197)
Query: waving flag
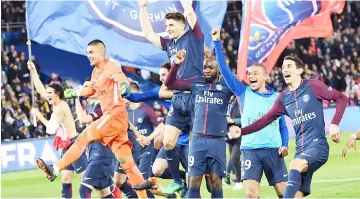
point(71, 25)
point(269, 26)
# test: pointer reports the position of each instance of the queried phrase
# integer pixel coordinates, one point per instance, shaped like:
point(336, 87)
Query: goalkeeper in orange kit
point(111, 129)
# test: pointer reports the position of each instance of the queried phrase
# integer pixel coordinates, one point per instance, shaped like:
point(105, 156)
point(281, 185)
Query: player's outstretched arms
point(351, 143)
point(171, 81)
point(146, 24)
point(275, 112)
point(189, 12)
point(323, 92)
point(236, 86)
point(39, 87)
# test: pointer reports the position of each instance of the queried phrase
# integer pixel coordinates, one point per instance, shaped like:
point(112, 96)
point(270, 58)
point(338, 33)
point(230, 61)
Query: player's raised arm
point(146, 25)
point(171, 81)
point(39, 87)
point(189, 12)
point(236, 86)
point(276, 111)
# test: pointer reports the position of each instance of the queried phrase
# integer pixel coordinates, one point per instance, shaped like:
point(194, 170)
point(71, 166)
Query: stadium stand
point(334, 60)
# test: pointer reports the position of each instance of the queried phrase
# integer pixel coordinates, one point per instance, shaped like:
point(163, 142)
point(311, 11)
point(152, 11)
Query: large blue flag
point(71, 25)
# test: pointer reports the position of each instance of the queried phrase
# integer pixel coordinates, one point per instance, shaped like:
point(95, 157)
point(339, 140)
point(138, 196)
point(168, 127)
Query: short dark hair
point(96, 42)
point(177, 16)
point(298, 62)
point(261, 66)
point(166, 65)
point(58, 89)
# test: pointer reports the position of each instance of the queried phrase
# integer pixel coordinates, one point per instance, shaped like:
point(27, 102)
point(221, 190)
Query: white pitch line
point(314, 181)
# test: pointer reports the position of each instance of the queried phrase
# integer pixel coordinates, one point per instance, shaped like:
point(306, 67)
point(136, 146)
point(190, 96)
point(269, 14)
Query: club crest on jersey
point(219, 87)
point(329, 88)
point(140, 120)
point(306, 98)
point(123, 16)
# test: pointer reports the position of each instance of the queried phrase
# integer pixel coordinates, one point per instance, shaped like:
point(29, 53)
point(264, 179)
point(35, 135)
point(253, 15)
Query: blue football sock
point(194, 193)
point(128, 190)
point(85, 192)
point(293, 184)
point(217, 194)
point(171, 157)
point(66, 191)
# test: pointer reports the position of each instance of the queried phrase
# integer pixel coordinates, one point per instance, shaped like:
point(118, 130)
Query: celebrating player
point(62, 124)
point(191, 40)
point(207, 154)
point(264, 150)
point(101, 165)
point(111, 128)
point(160, 166)
point(302, 102)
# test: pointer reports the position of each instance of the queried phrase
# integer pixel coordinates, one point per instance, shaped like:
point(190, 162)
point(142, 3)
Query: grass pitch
point(338, 178)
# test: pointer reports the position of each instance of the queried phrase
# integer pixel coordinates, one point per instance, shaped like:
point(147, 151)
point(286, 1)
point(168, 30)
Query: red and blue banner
point(269, 26)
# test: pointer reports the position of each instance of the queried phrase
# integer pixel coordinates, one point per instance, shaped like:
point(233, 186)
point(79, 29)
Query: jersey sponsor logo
point(142, 131)
point(306, 98)
point(302, 117)
point(123, 16)
point(260, 114)
point(208, 98)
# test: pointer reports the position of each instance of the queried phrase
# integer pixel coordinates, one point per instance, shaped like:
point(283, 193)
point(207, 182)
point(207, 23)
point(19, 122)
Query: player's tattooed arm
point(39, 87)
point(235, 85)
point(189, 12)
point(146, 25)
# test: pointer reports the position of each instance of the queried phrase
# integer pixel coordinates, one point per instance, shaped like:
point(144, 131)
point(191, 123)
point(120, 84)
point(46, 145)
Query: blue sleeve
point(153, 94)
point(236, 86)
point(284, 132)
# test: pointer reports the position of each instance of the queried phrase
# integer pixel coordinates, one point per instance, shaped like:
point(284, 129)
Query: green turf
point(33, 184)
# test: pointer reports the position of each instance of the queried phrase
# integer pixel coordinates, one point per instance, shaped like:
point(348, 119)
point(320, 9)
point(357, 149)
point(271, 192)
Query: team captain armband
point(52, 127)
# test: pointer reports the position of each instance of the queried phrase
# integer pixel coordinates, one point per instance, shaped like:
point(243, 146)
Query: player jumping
point(264, 150)
point(111, 128)
point(62, 124)
point(192, 41)
point(160, 165)
point(101, 165)
point(302, 102)
point(207, 154)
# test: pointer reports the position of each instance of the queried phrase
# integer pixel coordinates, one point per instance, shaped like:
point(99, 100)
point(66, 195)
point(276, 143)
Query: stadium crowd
point(334, 60)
